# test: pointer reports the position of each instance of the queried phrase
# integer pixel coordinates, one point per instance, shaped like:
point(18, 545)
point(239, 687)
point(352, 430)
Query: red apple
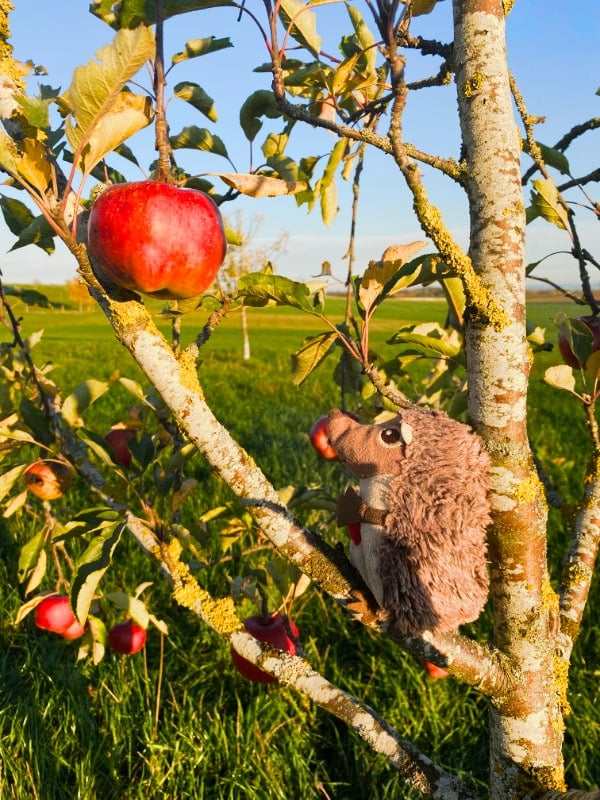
point(272, 630)
point(127, 637)
point(48, 478)
point(319, 437)
point(157, 239)
point(435, 672)
point(118, 439)
point(592, 323)
point(54, 614)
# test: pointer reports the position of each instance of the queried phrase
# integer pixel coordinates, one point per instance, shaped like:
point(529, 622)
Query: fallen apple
point(118, 439)
point(127, 638)
point(48, 479)
point(54, 614)
point(319, 438)
point(590, 323)
point(157, 239)
point(271, 629)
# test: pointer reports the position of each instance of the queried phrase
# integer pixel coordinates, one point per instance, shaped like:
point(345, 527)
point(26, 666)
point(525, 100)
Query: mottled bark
point(525, 723)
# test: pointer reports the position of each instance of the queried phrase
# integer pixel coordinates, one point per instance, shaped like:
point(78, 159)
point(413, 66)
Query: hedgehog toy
point(418, 521)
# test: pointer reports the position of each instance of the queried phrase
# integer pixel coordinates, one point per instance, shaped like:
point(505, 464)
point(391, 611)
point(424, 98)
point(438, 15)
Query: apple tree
point(361, 96)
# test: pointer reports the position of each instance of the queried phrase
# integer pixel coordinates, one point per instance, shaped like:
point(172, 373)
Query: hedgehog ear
point(407, 432)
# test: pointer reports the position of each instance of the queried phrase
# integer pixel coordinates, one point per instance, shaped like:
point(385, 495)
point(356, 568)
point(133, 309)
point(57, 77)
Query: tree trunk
point(526, 726)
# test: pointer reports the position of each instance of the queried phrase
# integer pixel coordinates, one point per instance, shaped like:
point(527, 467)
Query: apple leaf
point(29, 556)
point(301, 24)
point(261, 103)
point(260, 289)
point(260, 185)
point(101, 115)
point(429, 336)
point(8, 479)
point(8, 153)
point(561, 377)
point(131, 13)
point(82, 397)
point(195, 95)
point(194, 138)
point(545, 202)
point(92, 565)
point(552, 157)
point(311, 353)
point(199, 47)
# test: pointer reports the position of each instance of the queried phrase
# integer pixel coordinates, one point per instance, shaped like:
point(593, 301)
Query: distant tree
point(79, 293)
point(247, 257)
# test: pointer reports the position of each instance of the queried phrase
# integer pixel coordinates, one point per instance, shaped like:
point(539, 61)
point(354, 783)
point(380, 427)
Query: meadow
point(177, 721)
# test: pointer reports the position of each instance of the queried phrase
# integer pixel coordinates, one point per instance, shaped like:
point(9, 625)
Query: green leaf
point(552, 157)
point(194, 138)
point(35, 110)
point(8, 153)
point(16, 214)
point(81, 398)
point(312, 352)
point(421, 335)
point(265, 289)
point(195, 95)
point(29, 556)
point(301, 24)
point(199, 47)
point(9, 479)
point(92, 565)
point(131, 13)
point(326, 185)
point(101, 114)
point(39, 233)
point(261, 103)
point(546, 203)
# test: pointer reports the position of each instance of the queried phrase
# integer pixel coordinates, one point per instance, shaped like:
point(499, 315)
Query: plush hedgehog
point(423, 510)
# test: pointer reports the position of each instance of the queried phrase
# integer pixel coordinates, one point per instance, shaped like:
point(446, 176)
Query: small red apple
point(270, 629)
point(118, 439)
point(54, 614)
point(49, 478)
point(127, 637)
point(319, 437)
point(592, 323)
point(157, 239)
point(435, 672)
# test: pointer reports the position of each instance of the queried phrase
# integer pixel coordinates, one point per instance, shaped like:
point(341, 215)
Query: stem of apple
point(161, 129)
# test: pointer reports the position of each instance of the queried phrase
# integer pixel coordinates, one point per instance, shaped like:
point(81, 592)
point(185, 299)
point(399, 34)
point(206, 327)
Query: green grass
point(184, 724)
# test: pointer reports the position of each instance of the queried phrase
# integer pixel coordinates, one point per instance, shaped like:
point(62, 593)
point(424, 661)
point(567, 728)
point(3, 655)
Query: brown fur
point(431, 551)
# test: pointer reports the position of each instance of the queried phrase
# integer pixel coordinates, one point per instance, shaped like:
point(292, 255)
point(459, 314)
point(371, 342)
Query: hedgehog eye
point(390, 436)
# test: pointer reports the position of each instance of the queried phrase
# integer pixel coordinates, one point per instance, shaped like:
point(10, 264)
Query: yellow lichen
point(474, 84)
point(507, 6)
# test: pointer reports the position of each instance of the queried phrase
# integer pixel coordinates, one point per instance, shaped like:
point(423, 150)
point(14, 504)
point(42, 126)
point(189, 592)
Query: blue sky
point(553, 53)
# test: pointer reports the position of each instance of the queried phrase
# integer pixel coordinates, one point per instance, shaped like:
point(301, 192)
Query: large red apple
point(592, 324)
point(270, 629)
point(319, 437)
point(118, 439)
point(48, 479)
point(54, 614)
point(127, 638)
point(157, 239)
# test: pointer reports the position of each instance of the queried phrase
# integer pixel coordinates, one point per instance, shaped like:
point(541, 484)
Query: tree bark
point(526, 726)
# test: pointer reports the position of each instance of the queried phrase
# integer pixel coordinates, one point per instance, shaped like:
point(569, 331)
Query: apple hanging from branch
point(157, 239)
point(54, 614)
point(48, 478)
point(272, 629)
point(127, 638)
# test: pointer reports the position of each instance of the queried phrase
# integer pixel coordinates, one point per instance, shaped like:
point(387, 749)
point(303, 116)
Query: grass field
point(177, 721)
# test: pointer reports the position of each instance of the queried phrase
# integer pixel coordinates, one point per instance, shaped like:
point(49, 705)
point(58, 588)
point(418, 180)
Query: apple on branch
point(273, 629)
point(157, 239)
point(48, 478)
point(54, 614)
point(127, 638)
point(319, 438)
